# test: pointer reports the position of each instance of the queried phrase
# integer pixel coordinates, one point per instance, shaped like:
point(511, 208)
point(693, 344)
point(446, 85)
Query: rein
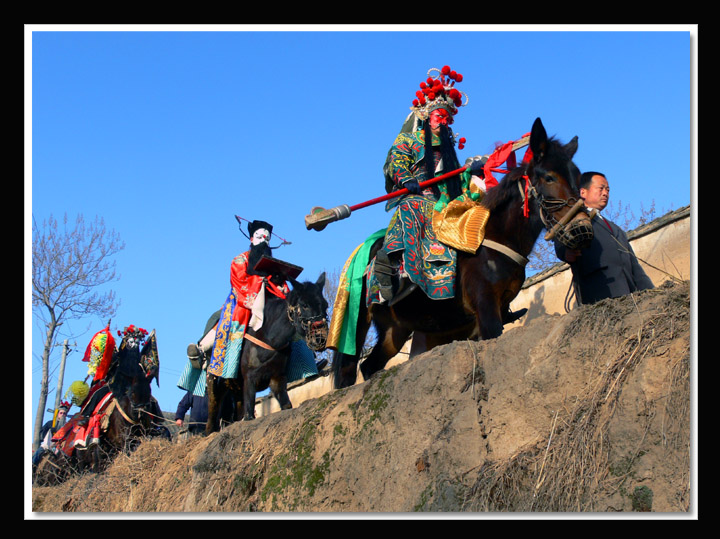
point(122, 412)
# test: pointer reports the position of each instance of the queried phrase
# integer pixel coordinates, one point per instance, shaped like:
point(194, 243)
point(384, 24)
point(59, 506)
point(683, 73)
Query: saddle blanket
point(74, 435)
point(427, 261)
point(300, 366)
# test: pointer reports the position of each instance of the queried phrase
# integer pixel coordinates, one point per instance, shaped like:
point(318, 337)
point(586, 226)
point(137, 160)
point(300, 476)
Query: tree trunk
point(42, 402)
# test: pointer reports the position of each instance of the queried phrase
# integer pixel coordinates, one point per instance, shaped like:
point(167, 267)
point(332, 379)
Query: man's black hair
point(586, 178)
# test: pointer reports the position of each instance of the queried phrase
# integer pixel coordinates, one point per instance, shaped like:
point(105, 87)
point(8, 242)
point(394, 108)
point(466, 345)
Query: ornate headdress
point(132, 331)
point(438, 91)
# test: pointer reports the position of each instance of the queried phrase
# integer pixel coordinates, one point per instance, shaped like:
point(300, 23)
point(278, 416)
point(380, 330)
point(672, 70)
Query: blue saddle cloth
point(301, 365)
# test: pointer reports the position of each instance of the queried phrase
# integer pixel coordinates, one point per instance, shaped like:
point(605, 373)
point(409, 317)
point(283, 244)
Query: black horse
point(128, 412)
point(488, 280)
point(134, 413)
point(265, 352)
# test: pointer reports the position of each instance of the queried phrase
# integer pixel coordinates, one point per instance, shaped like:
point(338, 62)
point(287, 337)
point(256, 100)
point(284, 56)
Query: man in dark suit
point(609, 267)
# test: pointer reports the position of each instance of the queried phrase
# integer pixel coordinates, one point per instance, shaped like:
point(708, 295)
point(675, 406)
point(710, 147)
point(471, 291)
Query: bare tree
point(68, 267)
point(543, 255)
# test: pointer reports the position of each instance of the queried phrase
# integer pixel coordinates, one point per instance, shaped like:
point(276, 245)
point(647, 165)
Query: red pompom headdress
point(438, 91)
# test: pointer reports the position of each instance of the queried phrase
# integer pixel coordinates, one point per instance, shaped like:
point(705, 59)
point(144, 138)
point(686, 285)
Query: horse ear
point(538, 139)
point(321, 280)
point(571, 147)
point(294, 283)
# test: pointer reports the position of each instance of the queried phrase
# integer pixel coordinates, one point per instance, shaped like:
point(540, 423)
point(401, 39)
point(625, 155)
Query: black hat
point(256, 225)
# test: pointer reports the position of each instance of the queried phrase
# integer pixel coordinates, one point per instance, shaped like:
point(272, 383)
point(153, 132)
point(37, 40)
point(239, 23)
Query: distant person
point(198, 406)
point(608, 268)
point(48, 430)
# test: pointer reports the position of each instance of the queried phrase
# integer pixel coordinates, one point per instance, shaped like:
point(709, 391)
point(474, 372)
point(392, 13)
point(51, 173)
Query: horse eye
point(550, 178)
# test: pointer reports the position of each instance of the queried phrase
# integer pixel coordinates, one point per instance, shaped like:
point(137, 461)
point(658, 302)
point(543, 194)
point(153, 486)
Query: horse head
point(133, 372)
point(307, 309)
point(552, 180)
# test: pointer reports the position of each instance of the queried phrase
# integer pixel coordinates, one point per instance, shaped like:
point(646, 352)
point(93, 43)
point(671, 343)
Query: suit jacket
point(608, 268)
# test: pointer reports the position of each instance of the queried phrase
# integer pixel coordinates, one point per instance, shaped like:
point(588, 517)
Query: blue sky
point(168, 133)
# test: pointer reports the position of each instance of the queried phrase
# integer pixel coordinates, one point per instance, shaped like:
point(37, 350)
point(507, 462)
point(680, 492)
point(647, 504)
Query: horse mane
point(305, 289)
point(505, 191)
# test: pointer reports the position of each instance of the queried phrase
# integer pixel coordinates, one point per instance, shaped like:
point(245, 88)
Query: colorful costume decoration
point(99, 353)
point(422, 151)
point(341, 336)
point(234, 318)
point(301, 365)
point(243, 306)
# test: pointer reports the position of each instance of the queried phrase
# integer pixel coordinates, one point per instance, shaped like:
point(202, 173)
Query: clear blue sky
point(167, 135)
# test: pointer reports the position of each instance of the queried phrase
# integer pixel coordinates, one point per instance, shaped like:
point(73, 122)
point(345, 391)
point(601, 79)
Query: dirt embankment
point(584, 412)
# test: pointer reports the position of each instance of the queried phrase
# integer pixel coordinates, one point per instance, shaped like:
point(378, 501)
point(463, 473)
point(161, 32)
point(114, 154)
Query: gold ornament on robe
point(460, 223)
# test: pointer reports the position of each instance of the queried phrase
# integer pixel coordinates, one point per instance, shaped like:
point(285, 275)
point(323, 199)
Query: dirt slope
point(584, 412)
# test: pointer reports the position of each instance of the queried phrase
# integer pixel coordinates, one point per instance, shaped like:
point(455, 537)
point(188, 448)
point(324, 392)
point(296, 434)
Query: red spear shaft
point(403, 191)
point(319, 218)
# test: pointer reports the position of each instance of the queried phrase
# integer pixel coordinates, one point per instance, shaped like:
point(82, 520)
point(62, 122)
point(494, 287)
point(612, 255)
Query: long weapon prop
point(319, 217)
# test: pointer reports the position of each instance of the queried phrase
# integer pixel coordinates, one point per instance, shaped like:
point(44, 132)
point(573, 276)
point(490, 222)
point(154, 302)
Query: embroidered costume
point(412, 255)
point(246, 297)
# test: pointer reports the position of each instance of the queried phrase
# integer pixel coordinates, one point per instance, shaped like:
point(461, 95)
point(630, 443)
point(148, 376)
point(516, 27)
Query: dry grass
point(569, 468)
point(586, 460)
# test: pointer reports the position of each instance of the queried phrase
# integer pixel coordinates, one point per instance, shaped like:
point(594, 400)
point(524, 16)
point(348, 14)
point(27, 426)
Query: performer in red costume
point(244, 305)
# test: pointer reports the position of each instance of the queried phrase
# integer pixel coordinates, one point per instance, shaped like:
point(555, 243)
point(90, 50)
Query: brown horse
point(488, 280)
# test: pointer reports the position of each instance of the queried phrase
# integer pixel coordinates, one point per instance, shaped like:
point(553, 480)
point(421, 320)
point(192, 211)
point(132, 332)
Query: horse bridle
point(314, 328)
point(569, 235)
point(548, 208)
